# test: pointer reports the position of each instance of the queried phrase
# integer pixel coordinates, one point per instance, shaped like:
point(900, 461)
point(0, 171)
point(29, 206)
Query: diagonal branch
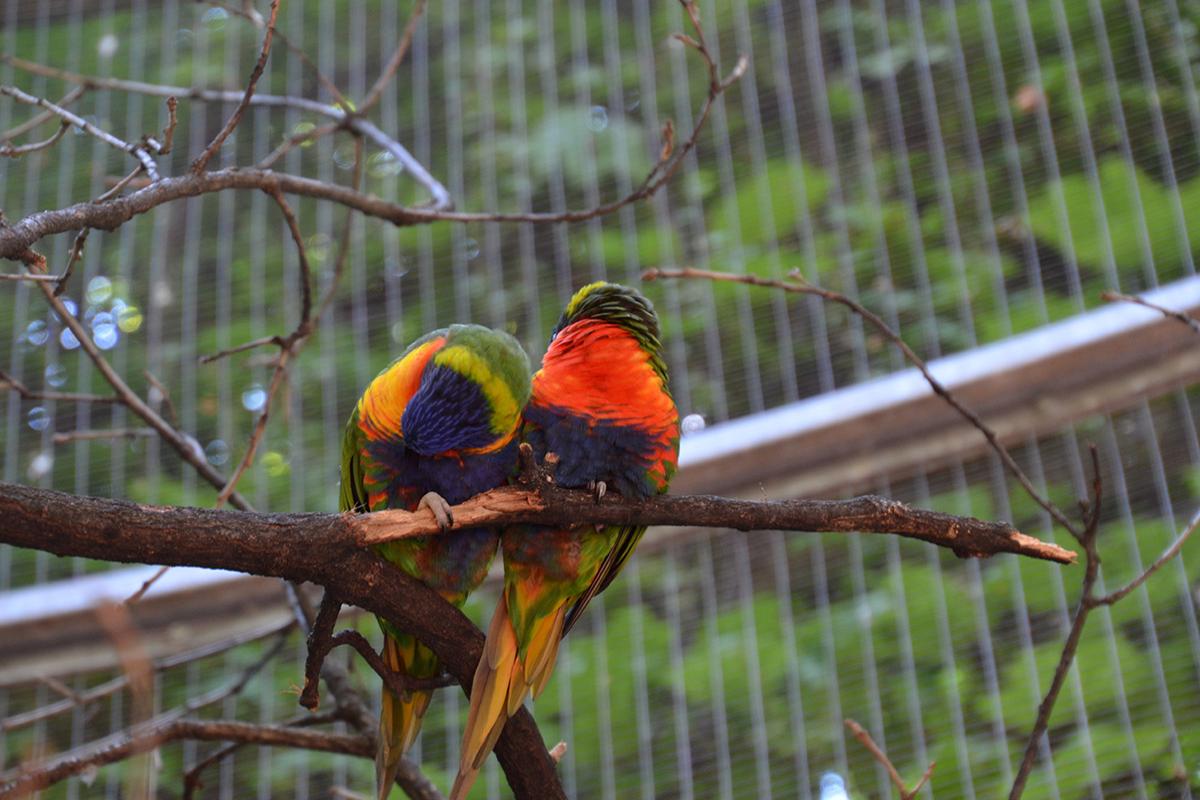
point(139, 151)
point(389, 71)
point(319, 548)
point(799, 286)
point(440, 197)
point(201, 163)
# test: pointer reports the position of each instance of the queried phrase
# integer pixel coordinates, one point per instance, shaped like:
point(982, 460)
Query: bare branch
point(164, 396)
point(1087, 538)
point(241, 348)
point(107, 688)
point(8, 381)
point(289, 216)
point(202, 162)
point(66, 437)
point(45, 116)
point(318, 548)
point(260, 427)
point(865, 739)
point(440, 198)
point(60, 285)
point(135, 150)
point(296, 140)
point(18, 277)
point(389, 70)
point(145, 587)
point(184, 445)
point(191, 778)
point(28, 781)
point(1113, 297)
point(799, 286)
point(16, 151)
point(1168, 554)
point(119, 186)
point(257, 20)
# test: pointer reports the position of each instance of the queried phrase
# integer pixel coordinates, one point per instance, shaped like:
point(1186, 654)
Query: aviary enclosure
point(994, 180)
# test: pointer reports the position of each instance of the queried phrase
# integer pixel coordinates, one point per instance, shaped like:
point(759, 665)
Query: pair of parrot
point(443, 423)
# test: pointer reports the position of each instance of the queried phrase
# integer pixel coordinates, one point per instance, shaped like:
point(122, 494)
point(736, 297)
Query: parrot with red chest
point(437, 426)
point(600, 403)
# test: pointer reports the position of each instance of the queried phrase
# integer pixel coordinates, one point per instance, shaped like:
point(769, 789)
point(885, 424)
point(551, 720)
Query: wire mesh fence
point(969, 170)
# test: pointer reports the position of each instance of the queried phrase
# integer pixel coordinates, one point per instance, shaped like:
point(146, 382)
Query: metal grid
point(719, 666)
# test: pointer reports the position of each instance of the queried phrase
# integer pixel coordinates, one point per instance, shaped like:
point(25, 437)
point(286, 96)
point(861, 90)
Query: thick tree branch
point(966, 536)
point(319, 548)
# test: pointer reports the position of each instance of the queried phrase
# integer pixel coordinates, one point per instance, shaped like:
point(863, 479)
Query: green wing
point(624, 543)
point(353, 493)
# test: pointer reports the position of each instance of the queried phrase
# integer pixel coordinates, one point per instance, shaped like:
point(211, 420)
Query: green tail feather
point(400, 719)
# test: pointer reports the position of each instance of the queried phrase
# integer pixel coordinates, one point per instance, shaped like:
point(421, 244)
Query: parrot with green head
point(437, 426)
point(601, 403)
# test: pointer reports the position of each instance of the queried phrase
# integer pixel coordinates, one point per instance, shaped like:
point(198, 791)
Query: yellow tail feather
point(502, 682)
point(400, 719)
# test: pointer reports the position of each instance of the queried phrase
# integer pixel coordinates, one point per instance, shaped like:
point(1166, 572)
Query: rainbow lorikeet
point(437, 426)
point(600, 402)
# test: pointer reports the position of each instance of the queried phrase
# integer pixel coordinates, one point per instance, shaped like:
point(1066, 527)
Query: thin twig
point(339, 264)
point(16, 151)
point(296, 140)
point(191, 778)
point(1166, 556)
point(393, 64)
point(119, 185)
point(1087, 538)
point(60, 687)
point(164, 396)
point(1186, 319)
point(91, 435)
point(145, 587)
point(22, 783)
point(108, 688)
point(18, 277)
point(301, 252)
point(799, 286)
point(26, 393)
point(44, 116)
point(183, 445)
point(257, 20)
point(241, 348)
point(76, 253)
point(132, 149)
point(318, 646)
point(200, 163)
point(865, 739)
point(322, 639)
point(169, 131)
point(260, 427)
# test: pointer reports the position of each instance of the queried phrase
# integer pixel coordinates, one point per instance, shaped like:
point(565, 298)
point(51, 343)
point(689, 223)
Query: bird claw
point(598, 489)
point(440, 508)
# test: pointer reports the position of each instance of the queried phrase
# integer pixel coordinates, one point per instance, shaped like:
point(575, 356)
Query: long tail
point(506, 674)
point(400, 719)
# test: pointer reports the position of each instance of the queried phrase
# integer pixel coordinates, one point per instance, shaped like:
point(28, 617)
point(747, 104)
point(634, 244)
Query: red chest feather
point(598, 369)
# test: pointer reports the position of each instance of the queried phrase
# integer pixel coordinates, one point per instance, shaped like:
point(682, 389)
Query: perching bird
point(436, 427)
point(601, 404)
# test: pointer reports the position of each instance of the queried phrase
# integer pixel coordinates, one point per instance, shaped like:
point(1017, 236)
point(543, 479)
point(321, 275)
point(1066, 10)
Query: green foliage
point(766, 207)
point(1115, 222)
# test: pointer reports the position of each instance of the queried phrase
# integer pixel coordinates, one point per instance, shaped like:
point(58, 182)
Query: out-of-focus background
point(976, 172)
